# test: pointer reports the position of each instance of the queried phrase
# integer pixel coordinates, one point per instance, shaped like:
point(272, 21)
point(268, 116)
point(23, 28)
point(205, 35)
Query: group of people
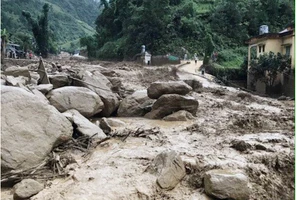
point(19, 54)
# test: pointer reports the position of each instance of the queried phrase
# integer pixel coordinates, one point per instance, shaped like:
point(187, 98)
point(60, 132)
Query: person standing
point(196, 59)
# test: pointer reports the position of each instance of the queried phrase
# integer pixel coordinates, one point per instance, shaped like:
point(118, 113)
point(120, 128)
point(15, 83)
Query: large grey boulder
point(59, 80)
point(158, 89)
point(18, 71)
point(30, 129)
point(84, 126)
point(3, 82)
point(169, 168)
point(26, 189)
point(39, 95)
point(44, 88)
point(181, 115)
point(16, 81)
point(87, 102)
point(195, 84)
point(226, 184)
point(98, 83)
point(135, 105)
point(116, 84)
point(170, 103)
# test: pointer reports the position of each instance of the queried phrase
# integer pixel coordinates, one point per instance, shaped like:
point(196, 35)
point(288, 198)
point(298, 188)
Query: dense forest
point(69, 20)
point(173, 26)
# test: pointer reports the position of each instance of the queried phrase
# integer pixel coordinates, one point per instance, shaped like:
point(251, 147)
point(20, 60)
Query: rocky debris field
point(103, 130)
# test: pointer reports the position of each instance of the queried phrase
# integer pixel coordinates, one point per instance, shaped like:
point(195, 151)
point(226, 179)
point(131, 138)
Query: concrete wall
point(289, 40)
point(163, 60)
point(288, 87)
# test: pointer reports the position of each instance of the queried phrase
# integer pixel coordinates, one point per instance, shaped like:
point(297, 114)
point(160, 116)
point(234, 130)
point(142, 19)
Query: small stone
point(26, 189)
point(240, 145)
point(260, 147)
point(44, 88)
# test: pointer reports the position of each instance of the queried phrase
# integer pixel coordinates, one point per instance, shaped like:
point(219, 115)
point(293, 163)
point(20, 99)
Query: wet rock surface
point(98, 83)
point(181, 115)
point(135, 105)
point(169, 168)
point(226, 184)
point(87, 102)
point(30, 129)
point(158, 89)
point(169, 103)
point(83, 125)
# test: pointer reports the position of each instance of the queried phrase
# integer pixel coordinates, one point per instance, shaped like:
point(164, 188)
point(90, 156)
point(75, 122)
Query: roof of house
point(288, 31)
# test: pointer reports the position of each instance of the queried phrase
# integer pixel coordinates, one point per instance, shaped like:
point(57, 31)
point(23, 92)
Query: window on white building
point(288, 50)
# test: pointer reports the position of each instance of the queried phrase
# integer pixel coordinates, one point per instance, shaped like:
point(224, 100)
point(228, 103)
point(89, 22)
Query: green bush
point(111, 50)
point(227, 73)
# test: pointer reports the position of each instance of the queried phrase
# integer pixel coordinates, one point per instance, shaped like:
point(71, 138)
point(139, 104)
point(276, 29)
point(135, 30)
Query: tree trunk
point(3, 49)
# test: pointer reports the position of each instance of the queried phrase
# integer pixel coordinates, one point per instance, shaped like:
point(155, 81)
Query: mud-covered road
point(233, 130)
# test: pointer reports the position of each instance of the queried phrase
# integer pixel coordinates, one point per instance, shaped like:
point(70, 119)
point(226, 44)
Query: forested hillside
point(69, 20)
point(168, 26)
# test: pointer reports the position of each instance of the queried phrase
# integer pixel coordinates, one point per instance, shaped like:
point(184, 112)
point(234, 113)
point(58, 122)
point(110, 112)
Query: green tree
point(90, 43)
point(4, 36)
point(209, 48)
point(40, 30)
point(267, 67)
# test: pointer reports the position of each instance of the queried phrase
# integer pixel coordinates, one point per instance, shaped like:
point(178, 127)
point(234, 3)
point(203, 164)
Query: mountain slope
point(68, 19)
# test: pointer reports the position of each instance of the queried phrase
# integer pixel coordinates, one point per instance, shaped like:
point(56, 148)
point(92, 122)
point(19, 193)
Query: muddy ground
point(233, 129)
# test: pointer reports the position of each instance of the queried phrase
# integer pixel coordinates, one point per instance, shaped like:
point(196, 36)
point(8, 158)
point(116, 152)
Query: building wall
point(163, 60)
point(289, 40)
point(273, 45)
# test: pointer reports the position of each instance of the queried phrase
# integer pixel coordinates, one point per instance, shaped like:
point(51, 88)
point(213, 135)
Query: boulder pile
point(171, 97)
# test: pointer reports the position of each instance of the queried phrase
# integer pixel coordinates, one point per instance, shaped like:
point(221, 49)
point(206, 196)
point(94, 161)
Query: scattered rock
point(44, 88)
point(104, 125)
point(83, 125)
point(26, 189)
point(59, 81)
point(16, 81)
point(260, 147)
point(282, 98)
point(114, 122)
point(158, 89)
point(87, 102)
point(108, 72)
point(34, 77)
point(135, 105)
point(244, 95)
point(170, 169)
point(98, 83)
point(240, 145)
point(169, 103)
point(195, 84)
point(116, 84)
point(43, 73)
point(18, 71)
point(181, 115)
point(3, 82)
point(219, 92)
point(31, 124)
point(226, 184)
